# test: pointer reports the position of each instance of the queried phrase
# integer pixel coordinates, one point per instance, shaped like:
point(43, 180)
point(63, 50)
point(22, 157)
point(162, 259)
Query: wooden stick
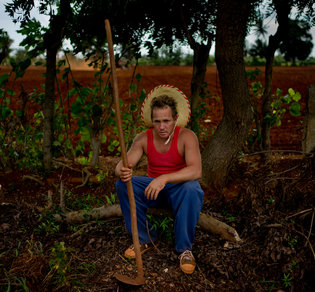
point(133, 215)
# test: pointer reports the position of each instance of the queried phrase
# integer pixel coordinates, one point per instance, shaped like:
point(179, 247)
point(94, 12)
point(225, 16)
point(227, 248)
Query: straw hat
point(182, 104)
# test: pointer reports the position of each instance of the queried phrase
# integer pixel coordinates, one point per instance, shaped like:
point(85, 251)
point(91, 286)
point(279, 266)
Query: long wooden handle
point(133, 214)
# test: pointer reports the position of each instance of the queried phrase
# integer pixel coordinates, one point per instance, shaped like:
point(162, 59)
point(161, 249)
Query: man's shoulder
point(187, 136)
point(186, 132)
point(141, 137)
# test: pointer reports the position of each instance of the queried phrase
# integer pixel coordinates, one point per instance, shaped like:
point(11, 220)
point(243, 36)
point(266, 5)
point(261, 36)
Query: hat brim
point(182, 104)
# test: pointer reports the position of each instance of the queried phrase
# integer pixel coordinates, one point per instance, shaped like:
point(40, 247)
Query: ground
point(270, 204)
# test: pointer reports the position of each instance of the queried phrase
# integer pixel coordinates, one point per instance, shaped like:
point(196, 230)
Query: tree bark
point(49, 107)
point(221, 151)
point(96, 145)
point(200, 61)
point(283, 8)
point(52, 41)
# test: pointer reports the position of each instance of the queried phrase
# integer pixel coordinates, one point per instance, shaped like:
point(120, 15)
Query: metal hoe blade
point(138, 281)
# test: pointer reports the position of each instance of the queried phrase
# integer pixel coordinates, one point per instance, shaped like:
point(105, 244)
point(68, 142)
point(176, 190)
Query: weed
point(17, 249)
point(271, 200)
point(102, 176)
point(86, 203)
point(22, 282)
point(231, 218)
point(293, 266)
point(286, 280)
point(269, 282)
point(111, 200)
point(48, 226)
point(163, 225)
point(89, 268)
point(293, 242)
point(1, 255)
point(59, 263)
point(35, 248)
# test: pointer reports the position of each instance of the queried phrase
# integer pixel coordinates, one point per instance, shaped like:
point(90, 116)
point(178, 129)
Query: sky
point(7, 24)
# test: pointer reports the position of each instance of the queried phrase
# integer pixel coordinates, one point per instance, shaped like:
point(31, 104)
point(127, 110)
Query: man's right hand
point(126, 173)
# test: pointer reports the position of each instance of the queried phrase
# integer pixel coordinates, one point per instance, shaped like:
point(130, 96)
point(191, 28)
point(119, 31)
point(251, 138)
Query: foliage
point(91, 109)
point(33, 41)
point(131, 112)
point(5, 43)
point(166, 56)
point(20, 134)
point(280, 104)
point(164, 226)
point(59, 263)
point(298, 44)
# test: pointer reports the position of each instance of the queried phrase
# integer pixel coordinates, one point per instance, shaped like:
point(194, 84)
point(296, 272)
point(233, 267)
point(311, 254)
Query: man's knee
point(192, 188)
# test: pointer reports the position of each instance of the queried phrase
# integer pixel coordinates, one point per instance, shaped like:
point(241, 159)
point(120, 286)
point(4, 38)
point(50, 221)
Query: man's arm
point(133, 156)
point(192, 171)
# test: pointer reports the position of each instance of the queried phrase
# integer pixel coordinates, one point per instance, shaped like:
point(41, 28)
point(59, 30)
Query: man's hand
point(126, 173)
point(153, 189)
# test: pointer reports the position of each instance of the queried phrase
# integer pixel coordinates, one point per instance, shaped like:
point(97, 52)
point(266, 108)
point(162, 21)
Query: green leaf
point(5, 112)
point(278, 92)
point(295, 109)
point(133, 87)
point(297, 96)
point(60, 137)
point(85, 138)
point(10, 92)
point(142, 95)
point(61, 63)
point(4, 78)
point(85, 91)
point(133, 108)
point(82, 122)
point(76, 109)
point(291, 91)
point(56, 143)
point(104, 138)
point(138, 77)
point(115, 142)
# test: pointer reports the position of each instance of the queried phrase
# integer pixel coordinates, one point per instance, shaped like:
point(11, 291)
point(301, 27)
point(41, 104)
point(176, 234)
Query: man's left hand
point(153, 189)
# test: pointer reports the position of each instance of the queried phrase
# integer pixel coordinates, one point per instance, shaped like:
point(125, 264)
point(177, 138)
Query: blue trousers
point(185, 200)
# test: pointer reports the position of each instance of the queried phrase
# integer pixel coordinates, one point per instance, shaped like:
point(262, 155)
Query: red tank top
point(160, 163)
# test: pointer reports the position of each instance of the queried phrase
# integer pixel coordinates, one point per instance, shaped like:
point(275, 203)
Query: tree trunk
point(49, 106)
point(96, 145)
point(266, 106)
point(220, 152)
point(200, 61)
point(201, 56)
point(52, 41)
point(283, 9)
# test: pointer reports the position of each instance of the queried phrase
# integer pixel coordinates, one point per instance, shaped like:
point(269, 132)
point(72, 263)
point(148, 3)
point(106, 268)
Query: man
point(174, 165)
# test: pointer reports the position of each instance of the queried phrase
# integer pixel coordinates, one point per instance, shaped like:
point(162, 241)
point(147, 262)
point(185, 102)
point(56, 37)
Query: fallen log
point(206, 222)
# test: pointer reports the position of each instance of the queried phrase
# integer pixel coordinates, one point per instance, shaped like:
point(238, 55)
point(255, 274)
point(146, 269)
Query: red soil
point(288, 136)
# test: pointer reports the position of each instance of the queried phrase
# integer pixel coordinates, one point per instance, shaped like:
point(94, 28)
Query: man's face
point(163, 121)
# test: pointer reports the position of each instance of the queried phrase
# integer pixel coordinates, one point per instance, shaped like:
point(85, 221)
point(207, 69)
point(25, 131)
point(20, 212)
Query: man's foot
point(187, 262)
point(130, 251)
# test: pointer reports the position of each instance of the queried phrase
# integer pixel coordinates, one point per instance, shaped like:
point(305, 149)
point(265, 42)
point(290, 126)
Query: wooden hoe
point(139, 280)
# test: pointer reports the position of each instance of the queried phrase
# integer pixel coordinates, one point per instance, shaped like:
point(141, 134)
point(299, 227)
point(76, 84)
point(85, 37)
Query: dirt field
point(270, 205)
